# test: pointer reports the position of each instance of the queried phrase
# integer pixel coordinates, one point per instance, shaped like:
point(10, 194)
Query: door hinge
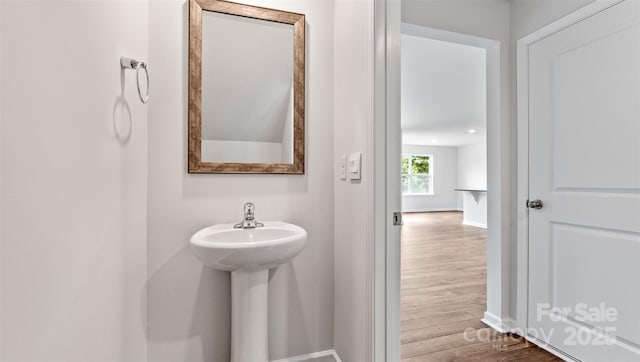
point(397, 218)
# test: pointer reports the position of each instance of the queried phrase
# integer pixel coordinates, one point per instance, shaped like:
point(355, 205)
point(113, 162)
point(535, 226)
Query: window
point(416, 174)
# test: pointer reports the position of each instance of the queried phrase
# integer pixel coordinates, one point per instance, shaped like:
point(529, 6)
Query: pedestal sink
point(248, 254)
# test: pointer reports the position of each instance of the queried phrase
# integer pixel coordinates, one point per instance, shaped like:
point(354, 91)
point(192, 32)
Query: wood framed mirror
point(246, 89)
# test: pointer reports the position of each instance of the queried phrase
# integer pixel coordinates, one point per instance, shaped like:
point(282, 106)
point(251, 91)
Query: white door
point(584, 165)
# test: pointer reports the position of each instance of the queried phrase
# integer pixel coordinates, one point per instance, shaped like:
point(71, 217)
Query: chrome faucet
point(249, 221)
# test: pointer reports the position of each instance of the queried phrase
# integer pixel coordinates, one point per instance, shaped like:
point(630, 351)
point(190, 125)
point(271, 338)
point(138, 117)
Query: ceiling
point(443, 92)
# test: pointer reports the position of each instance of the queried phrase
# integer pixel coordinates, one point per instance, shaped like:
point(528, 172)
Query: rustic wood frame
point(196, 165)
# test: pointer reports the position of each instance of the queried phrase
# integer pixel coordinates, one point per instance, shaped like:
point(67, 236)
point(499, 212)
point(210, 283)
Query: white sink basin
point(248, 254)
point(224, 248)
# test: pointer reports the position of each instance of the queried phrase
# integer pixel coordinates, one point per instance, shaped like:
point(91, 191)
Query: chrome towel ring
point(129, 63)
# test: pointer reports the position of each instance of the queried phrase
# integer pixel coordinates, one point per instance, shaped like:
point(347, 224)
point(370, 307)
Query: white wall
point(472, 166)
point(444, 168)
point(472, 175)
point(352, 113)
point(74, 182)
point(189, 304)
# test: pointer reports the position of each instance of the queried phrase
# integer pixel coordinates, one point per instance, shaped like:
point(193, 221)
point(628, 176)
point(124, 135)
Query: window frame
point(430, 192)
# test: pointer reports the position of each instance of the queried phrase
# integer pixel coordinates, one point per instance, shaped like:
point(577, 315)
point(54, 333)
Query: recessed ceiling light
point(471, 131)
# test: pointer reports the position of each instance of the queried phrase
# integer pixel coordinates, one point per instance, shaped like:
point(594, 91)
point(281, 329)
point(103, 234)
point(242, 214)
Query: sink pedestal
point(248, 253)
point(249, 318)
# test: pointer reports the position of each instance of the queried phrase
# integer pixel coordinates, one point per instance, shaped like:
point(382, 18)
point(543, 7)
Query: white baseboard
point(550, 349)
point(496, 323)
point(476, 224)
point(432, 209)
point(310, 356)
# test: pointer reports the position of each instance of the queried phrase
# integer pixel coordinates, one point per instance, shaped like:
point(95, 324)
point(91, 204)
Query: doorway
point(385, 147)
point(387, 79)
point(443, 291)
point(444, 253)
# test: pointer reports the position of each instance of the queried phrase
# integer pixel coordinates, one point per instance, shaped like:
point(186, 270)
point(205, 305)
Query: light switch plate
point(354, 165)
point(342, 166)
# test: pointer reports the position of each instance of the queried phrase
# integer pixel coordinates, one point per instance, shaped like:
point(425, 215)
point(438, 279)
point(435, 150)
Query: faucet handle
point(249, 208)
point(249, 220)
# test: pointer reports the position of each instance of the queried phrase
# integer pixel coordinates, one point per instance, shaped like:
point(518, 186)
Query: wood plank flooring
point(443, 295)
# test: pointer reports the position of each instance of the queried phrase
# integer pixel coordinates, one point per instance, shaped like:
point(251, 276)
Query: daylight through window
point(417, 174)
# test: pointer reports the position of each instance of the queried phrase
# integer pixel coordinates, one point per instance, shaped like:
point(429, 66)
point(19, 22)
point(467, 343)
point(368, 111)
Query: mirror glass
point(247, 90)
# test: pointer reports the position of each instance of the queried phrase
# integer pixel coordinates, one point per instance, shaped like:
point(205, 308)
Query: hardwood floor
point(443, 295)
